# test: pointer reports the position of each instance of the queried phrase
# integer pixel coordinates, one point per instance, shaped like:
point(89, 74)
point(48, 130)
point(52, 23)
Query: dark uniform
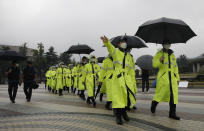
point(29, 76)
point(13, 81)
point(145, 80)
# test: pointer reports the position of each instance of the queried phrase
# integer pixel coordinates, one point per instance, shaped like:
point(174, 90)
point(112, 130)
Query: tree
point(4, 65)
point(23, 49)
point(5, 48)
point(65, 57)
point(51, 57)
point(184, 64)
point(39, 60)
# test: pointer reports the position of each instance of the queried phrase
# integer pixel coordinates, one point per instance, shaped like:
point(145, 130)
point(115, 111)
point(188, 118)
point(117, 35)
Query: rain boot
point(153, 106)
point(93, 101)
point(68, 89)
point(82, 95)
point(78, 93)
point(60, 92)
point(88, 100)
point(74, 90)
point(172, 112)
point(101, 97)
point(118, 116)
point(124, 114)
point(107, 106)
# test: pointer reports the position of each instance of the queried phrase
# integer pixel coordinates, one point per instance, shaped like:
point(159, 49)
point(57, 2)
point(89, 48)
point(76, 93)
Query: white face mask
point(167, 46)
point(92, 60)
point(17, 65)
point(123, 45)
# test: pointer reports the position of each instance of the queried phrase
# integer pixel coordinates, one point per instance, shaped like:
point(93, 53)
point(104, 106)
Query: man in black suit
point(13, 74)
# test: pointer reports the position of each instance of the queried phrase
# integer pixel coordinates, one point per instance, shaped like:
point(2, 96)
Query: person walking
point(122, 95)
point(60, 79)
point(82, 76)
point(14, 79)
point(29, 79)
point(167, 80)
point(145, 80)
point(105, 78)
point(91, 77)
point(68, 78)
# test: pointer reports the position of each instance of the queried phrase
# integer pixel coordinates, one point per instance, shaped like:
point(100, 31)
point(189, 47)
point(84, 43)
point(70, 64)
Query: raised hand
point(104, 39)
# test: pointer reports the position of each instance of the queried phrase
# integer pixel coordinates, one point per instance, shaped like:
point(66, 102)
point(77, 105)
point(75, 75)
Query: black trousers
point(28, 89)
point(172, 106)
point(145, 83)
point(12, 89)
point(91, 98)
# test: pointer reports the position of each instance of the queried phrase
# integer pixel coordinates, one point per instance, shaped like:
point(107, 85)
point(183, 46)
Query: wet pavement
point(48, 111)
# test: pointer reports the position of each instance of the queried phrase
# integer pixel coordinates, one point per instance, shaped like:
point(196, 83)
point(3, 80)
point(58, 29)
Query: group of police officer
point(116, 78)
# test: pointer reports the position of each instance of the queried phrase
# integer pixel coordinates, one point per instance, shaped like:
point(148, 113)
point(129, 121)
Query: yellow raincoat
point(59, 77)
point(53, 79)
point(162, 93)
point(91, 74)
point(68, 77)
point(75, 76)
point(106, 72)
point(122, 81)
point(81, 77)
point(130, 68)
point(48, 76)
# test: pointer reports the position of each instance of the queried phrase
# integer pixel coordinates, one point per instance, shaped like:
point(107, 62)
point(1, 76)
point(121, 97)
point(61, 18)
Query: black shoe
point(94, 104)
point(173, 116)
point(125, 116)
point(101, 97)
point(107, 106)
point(60, 94)
point(119, 119)
point(28, 100)
point(134, 107)
point(153, 107)
point(13, 101)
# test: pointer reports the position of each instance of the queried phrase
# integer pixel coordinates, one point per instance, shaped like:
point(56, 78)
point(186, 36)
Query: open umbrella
point(132, 41)
point(80, 49)
point(11, 55)
point(100, 59)
point(165, 30)
point(145, 62)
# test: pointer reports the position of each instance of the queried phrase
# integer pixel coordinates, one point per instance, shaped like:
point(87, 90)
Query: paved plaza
point(48, 111)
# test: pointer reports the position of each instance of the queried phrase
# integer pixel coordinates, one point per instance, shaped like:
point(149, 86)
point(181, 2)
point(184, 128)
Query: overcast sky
point(61, 23)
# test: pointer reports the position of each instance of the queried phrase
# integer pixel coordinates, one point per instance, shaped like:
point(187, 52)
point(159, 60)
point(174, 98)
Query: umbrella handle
point(79, 57)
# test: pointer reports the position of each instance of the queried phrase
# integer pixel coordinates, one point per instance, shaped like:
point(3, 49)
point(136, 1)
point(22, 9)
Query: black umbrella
point(80, 49)
point(145, 62)
point(165, 30)
point(132, 41)
point(11, 55)
point(100, 59)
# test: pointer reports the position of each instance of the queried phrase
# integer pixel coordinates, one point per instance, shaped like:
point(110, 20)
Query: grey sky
point(61, 23)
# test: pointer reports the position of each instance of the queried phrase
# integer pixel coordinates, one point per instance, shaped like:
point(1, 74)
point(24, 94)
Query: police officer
point(105, 78)
point(122, 95)
point(82, 76)
point(91, 74)
point(60, 79)
point(167, 80)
